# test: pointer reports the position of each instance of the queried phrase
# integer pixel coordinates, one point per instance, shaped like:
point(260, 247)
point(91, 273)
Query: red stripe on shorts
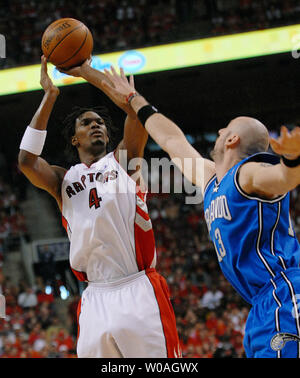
point(167, 315)
point(78, 315)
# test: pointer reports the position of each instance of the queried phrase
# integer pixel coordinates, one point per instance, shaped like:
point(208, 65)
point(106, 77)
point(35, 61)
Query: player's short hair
point(69, 125)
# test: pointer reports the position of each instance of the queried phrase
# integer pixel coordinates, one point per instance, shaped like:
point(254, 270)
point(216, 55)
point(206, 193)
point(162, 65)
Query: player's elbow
point(22, 160)
point(25, 160)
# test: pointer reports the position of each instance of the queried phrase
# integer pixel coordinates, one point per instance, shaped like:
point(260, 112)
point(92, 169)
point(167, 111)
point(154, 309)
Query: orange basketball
point(67, 43)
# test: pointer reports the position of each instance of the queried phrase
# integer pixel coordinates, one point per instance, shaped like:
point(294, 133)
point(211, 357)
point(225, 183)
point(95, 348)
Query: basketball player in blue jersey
point(246, 205)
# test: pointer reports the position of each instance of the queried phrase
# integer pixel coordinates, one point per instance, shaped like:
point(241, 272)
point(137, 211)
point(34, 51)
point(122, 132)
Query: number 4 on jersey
point(94, 200)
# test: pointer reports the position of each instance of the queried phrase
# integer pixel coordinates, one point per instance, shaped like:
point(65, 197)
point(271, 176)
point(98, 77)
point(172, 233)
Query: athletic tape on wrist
point(146, 112)
point(33, 140)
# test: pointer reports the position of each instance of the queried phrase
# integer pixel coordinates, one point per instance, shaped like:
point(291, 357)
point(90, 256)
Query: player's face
point(218, 151)
point(90, 131)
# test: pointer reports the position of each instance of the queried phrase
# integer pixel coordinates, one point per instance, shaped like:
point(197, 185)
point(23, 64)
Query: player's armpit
point(41, 174)
point(267, 181)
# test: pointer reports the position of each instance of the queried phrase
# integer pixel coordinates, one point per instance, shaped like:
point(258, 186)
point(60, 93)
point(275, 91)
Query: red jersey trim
point(142, 213)
point(81, 276)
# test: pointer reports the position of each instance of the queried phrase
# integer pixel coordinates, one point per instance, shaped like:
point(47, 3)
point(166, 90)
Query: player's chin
point(98, 145)
point(97, 141)
point(212, 154)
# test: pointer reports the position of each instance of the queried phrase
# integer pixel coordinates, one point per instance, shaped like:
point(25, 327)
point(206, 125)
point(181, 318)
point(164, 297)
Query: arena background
point(40, 290)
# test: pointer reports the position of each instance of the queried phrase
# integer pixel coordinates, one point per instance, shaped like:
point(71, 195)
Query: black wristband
point(145, 112)
point(291, 163)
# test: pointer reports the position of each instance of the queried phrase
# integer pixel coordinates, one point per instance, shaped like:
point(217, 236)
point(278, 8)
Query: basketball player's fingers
point(284, 133)
point(108, 74)
point(89, 60)
point(114, 72)
point(131, 81)
point(276, 146)
point(296, 131)
point(122, 73)
point(109, 89)
point(44, 63)
point(106, 85)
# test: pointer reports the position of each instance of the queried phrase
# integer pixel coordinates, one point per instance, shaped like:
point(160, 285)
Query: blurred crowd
point(12, 220)
point(32, 328)
point(122, 25)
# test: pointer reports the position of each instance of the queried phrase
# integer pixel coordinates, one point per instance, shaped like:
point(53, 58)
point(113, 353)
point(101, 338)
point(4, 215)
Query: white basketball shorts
point(132, 317)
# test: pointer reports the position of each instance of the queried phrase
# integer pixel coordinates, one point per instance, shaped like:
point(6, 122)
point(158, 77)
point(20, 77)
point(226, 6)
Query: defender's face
point(218, 150)
point(90, 130)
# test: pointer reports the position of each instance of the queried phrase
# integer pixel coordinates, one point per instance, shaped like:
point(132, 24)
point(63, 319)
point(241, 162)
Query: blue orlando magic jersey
point(253, 237)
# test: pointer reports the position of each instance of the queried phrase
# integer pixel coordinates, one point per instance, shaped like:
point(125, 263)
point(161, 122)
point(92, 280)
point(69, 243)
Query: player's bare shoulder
point(247, 178)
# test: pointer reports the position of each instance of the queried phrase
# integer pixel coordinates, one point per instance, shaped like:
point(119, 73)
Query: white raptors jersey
point(107, 222)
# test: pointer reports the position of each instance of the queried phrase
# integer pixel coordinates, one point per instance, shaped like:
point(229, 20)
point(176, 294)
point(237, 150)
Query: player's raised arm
point(271, 181)
point(96, 78)
point(165, 132)
point(135, 136)
point(36, 169)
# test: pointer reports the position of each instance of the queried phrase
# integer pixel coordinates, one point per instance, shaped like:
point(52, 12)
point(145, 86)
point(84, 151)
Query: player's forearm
point(135, 137)
point(165, 132)
point(39, 122)
point(42, 115)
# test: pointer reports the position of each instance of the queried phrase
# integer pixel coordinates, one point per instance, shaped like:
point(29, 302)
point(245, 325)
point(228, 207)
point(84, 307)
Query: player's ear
point(74, 141)
point(232, 141)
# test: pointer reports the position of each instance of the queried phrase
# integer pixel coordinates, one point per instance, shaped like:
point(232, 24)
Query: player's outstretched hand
point(45, 80)
point(288, 143)
point(121, 86)
point(118, 88)
point(79, 70)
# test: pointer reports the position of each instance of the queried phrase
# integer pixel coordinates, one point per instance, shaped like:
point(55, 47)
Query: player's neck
point(89, 159)
point(223, 166)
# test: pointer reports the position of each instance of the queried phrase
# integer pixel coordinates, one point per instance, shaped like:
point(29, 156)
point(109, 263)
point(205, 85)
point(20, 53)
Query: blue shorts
point(273, 324)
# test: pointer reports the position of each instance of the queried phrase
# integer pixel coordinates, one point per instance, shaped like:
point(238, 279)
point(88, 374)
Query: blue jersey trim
point(282, 262)
point(208, 183)
point(279, 305)
point(260, 231)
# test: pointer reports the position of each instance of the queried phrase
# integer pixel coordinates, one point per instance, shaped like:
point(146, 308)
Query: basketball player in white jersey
point(125, 310)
